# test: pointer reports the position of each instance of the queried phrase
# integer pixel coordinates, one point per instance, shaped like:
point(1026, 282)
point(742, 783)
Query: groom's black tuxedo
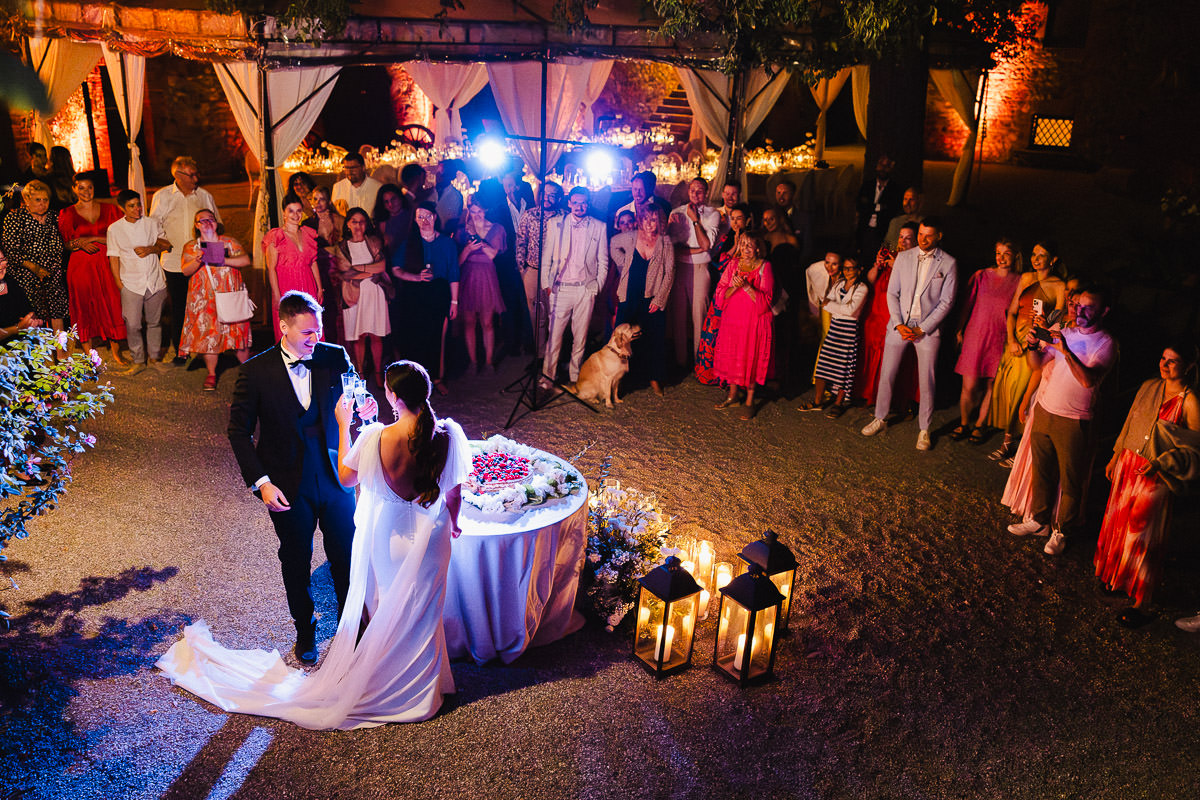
point(297, 450)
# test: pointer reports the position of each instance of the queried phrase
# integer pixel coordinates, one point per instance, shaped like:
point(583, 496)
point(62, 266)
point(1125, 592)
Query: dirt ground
point(933, 655)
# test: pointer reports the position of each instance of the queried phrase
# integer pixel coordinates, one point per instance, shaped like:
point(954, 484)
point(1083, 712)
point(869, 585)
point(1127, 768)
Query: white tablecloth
point(512, 585)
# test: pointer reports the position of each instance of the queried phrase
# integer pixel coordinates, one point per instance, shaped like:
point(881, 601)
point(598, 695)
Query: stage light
point(491, 153)
point(599, 164)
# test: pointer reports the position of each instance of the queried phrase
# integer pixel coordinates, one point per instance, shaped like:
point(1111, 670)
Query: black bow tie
point(292, 363)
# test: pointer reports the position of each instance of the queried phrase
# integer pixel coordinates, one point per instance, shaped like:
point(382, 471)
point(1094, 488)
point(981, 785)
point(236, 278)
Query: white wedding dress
point(399, 669)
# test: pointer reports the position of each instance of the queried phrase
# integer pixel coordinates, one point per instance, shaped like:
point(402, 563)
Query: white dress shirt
point(924, 264)
point(141, 275)
point(176, 215)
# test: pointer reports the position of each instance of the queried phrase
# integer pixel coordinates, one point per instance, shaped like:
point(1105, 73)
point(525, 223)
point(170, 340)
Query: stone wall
point(189, 115)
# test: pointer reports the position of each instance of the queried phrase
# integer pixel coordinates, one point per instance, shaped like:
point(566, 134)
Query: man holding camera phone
point(1073, 361)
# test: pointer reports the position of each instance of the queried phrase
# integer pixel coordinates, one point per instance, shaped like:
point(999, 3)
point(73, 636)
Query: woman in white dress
point(366, 290)
point(388, 661)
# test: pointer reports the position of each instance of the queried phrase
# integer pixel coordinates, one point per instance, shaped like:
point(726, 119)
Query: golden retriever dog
point(602, 372)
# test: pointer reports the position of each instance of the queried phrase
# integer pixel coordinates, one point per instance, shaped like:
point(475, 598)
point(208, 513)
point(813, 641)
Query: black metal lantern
point(777, 561)
point(666, 618)
point(747, 628)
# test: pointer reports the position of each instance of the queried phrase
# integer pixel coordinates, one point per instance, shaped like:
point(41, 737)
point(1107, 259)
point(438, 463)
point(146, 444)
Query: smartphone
point(1039, 308)
point(1043, 334)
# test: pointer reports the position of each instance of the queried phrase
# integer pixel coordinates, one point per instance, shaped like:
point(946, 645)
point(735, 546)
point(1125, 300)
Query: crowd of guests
point(721, 291)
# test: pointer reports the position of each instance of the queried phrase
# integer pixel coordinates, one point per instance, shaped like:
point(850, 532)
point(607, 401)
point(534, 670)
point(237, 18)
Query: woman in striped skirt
point(838, 359)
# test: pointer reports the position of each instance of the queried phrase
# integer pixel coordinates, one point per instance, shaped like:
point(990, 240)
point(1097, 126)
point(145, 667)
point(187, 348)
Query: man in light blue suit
point(920, 294)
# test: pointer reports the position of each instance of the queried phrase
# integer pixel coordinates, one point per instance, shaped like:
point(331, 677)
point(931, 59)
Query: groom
point(289, 393)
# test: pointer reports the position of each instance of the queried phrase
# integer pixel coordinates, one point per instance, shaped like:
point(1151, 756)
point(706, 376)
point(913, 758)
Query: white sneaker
point(1056, 544)
point(873, 427)
point(923, 441)
point(1189, 624)
point(1029, 527)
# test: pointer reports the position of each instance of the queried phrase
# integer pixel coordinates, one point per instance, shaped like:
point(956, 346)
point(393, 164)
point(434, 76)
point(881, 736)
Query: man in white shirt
point(1061, 438)
point(574, 268)
point(693, 229)
point(134, 244)
point(175, 208)
point(356, 190)
point(920, 295)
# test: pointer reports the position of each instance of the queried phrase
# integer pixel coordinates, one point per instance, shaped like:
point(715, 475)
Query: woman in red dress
point(875, 327)
point(1157, 453)
point(93, 298)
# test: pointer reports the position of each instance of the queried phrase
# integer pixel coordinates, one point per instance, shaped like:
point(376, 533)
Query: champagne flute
point(360, 395)
point(348, 379)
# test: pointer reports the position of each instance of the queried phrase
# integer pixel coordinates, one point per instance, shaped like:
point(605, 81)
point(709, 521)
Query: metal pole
point(736, 111)
point(268, 147)
point(88, 112)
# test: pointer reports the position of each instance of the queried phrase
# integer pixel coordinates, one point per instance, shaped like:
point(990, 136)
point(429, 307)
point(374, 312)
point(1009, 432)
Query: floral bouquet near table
point(626, 531)
point(507, 477)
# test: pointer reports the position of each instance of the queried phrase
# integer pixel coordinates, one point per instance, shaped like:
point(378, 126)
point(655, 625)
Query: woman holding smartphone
point(212, 261)
point(480, 241)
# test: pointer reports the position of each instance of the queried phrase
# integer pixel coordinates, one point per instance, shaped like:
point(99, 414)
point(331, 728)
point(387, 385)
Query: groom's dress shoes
point(306, 645)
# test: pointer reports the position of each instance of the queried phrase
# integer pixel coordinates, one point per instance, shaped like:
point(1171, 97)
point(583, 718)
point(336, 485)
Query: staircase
point(673, 111)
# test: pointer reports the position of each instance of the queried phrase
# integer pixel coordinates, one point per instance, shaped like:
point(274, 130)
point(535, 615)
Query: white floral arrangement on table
point(626, 532)
point(508, 477)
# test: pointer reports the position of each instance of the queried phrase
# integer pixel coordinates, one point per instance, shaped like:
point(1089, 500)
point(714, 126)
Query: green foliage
point(41, 406)
point(310, 20)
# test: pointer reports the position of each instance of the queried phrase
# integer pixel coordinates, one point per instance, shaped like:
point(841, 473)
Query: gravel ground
point(934, 655)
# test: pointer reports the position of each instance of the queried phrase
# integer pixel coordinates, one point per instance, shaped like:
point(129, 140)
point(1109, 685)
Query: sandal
point(750, 412)
point(809, 405)
point(978, 436)
point(1002, 452)
point(959, 433)
point(726, 403)
point(835, 411)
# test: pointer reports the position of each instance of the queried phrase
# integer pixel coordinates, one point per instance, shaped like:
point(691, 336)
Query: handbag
point(232, 307)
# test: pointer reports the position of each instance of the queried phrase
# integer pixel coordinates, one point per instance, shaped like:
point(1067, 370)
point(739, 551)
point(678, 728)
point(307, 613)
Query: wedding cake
point(507, 478)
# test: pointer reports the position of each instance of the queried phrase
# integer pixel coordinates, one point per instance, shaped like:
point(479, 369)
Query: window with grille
point(1051, 133)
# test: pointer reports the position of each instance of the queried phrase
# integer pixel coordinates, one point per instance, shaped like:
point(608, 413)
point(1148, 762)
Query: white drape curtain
point(61, 65)
point(293, 109)
point(449, 87)
point(129, 87)
point(824, 93)
point(960, 88)
point(517, 88)
point(597, 80)
point(861, 86)
point(712, 110)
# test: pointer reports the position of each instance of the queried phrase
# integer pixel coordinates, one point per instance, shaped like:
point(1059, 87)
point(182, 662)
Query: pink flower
point(63, 339)
point(87, 439)
point(95, 357)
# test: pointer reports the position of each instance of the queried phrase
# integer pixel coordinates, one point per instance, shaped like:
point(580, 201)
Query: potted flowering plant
point(626, 532)
point(42, 403)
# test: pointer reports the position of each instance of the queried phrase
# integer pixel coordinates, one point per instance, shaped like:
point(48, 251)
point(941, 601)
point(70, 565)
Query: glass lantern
point(667, 609)
point(777, 561)
point(747, 628)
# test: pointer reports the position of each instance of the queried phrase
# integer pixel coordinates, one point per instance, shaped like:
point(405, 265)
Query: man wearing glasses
point(175, 208)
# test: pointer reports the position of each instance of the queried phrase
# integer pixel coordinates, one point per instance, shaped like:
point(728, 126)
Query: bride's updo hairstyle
point(410, 383)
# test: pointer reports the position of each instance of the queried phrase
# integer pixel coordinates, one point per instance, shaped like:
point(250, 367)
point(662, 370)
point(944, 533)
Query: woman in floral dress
point(1156, 455)
point(203, 333)
point(34, 248)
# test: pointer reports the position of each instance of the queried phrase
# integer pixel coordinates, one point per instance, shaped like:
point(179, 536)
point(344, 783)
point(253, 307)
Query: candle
point(704, 559)
point(690, 566)
point(704, 598)
point(662, 648)
point(643, 616)
point(741, 647)
point(724, 574)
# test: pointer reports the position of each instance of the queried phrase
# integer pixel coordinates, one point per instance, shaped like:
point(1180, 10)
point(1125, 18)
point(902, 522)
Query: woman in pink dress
point(744, 295)
point(875, 328)
point(1155, 456)
point(92, 295)
point(291, 252)
point(982, 334)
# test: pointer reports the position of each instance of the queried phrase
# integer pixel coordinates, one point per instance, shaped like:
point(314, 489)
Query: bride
point(388, 661)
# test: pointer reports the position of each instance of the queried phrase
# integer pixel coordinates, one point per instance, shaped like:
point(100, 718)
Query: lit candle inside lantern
point(690, 566)
point(741, 647)
point(704, 598)
point(662, 650)
point(724, 574)
point(643, 617)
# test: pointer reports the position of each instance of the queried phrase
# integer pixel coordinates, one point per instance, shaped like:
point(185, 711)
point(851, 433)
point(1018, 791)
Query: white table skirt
point(512, 585)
